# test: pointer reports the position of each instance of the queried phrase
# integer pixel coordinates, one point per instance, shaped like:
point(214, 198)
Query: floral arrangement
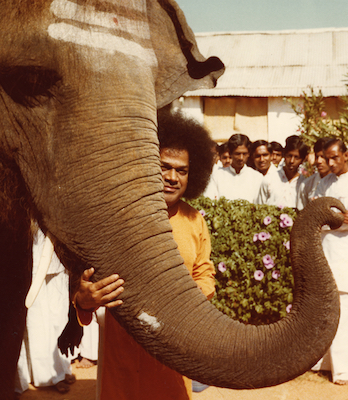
point(251, 253)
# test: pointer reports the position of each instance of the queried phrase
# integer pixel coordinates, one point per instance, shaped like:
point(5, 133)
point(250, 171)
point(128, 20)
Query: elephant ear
point(181, 67)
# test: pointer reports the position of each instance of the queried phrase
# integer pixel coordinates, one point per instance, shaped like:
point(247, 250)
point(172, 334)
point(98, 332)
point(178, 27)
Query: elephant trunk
point(104, 201)
point(172, 320)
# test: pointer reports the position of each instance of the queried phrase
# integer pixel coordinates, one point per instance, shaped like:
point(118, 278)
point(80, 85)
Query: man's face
point(262, 159)
point(336, 160)
point(226, 159)
point(276, 157)
point(292, 160)
point(175, 170)
point(321, 164)
point(239, 157)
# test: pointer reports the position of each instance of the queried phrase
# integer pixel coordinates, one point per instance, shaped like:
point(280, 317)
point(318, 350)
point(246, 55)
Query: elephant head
point(80, 83)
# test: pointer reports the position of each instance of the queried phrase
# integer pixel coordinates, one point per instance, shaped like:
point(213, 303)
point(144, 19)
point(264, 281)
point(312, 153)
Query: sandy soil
point(310, 386)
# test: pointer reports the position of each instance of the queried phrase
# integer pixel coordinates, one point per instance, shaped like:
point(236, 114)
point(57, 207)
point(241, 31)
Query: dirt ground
point(310, 386)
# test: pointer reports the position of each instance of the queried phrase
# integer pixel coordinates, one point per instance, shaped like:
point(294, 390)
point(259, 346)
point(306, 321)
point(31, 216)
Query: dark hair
point(259, 143)
point(276, 147)
point(320, 143)
point(223, 148)
point(238, 139)
point(295, 143)
point(332, 141)
point(176, 131)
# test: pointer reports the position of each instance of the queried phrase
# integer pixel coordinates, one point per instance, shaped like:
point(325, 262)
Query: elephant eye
point(28, 85)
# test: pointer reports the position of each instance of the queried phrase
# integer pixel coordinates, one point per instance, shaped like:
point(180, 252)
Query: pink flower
point(323, 114)
point(264, 236)
point(267, 220)
point(287, 245)
point(222, 267)
point(202, 212)
point(280, 206)
point(288, 308)
point(268, 261)
point(285, 221)
point(275, 274)
point(258, 275)
point(301, 169)
point(256, 237)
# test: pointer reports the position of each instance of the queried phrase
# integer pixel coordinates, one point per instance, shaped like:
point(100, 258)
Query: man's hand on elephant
point(91, 296)
point(345, 218)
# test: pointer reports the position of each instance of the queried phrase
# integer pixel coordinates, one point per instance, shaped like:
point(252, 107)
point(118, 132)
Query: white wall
point(191, 106)
point(282, 120)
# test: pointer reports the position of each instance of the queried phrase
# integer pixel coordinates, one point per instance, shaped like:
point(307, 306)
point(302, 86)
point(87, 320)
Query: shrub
point(250, 251)
point(314, 119)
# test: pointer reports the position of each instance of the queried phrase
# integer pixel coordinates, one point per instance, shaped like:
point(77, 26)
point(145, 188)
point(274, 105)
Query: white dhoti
point(336, 359)
point(90, 340)
point(41, 362)
point(339, 347)
point(335, 246)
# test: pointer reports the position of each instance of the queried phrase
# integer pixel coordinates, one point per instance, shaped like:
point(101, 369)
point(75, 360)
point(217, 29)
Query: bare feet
point(85, 363)
point(341, 382)
point(62, 387)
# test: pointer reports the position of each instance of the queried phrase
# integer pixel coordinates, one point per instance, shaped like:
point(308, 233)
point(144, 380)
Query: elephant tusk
point(44, 263)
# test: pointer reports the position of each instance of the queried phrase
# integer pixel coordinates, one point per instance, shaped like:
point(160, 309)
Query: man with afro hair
point(128, 371)
point(178, 134)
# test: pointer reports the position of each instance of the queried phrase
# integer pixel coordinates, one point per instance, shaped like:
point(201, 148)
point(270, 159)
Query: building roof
point(278, 63)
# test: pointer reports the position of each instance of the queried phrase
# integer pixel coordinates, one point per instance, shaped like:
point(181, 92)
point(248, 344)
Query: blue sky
point(256, 15)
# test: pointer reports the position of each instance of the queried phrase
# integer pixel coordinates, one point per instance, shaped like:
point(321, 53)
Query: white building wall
point(191, 106)
point(282, 120)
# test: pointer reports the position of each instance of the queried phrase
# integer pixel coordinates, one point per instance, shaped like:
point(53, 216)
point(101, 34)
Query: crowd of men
point(260, 172)
point(266, 173)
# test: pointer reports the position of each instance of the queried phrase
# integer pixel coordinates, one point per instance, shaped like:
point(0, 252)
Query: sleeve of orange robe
point(203, 270)
point(192, 237)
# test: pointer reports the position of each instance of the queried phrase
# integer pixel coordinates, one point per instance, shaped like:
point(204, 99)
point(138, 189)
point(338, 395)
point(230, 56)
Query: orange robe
point(128, 371)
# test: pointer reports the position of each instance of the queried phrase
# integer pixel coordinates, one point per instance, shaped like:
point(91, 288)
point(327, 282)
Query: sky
point(264, 15)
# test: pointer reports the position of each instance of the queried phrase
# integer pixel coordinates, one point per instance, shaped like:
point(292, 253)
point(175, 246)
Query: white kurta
point(210, 189)
point(272, 170)
point(335, 246)
point(308, 189)
point(225, 182)
point(41, 362)
point(277, 190)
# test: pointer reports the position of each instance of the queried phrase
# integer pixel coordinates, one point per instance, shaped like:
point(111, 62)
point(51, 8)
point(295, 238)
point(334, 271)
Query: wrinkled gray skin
point(79, 123)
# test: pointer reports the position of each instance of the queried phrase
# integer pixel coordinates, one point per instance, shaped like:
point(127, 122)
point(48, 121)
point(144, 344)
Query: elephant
point(80, 85)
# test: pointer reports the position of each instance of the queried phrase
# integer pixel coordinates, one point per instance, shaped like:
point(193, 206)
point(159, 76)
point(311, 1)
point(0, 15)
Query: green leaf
point(232, 226)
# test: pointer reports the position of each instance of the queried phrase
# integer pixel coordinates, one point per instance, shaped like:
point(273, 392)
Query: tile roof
point(278, 63)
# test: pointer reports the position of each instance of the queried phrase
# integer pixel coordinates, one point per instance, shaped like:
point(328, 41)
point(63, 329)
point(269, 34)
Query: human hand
point(345, 218)
point(91, 296)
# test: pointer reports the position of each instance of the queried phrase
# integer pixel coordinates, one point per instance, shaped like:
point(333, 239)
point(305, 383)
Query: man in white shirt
point(277, 153)
point(224, 155)
point(282, 189)
point(261, 154)
point(335, 246)
point(223, 160)
point(237, 181)
point(308, 187)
